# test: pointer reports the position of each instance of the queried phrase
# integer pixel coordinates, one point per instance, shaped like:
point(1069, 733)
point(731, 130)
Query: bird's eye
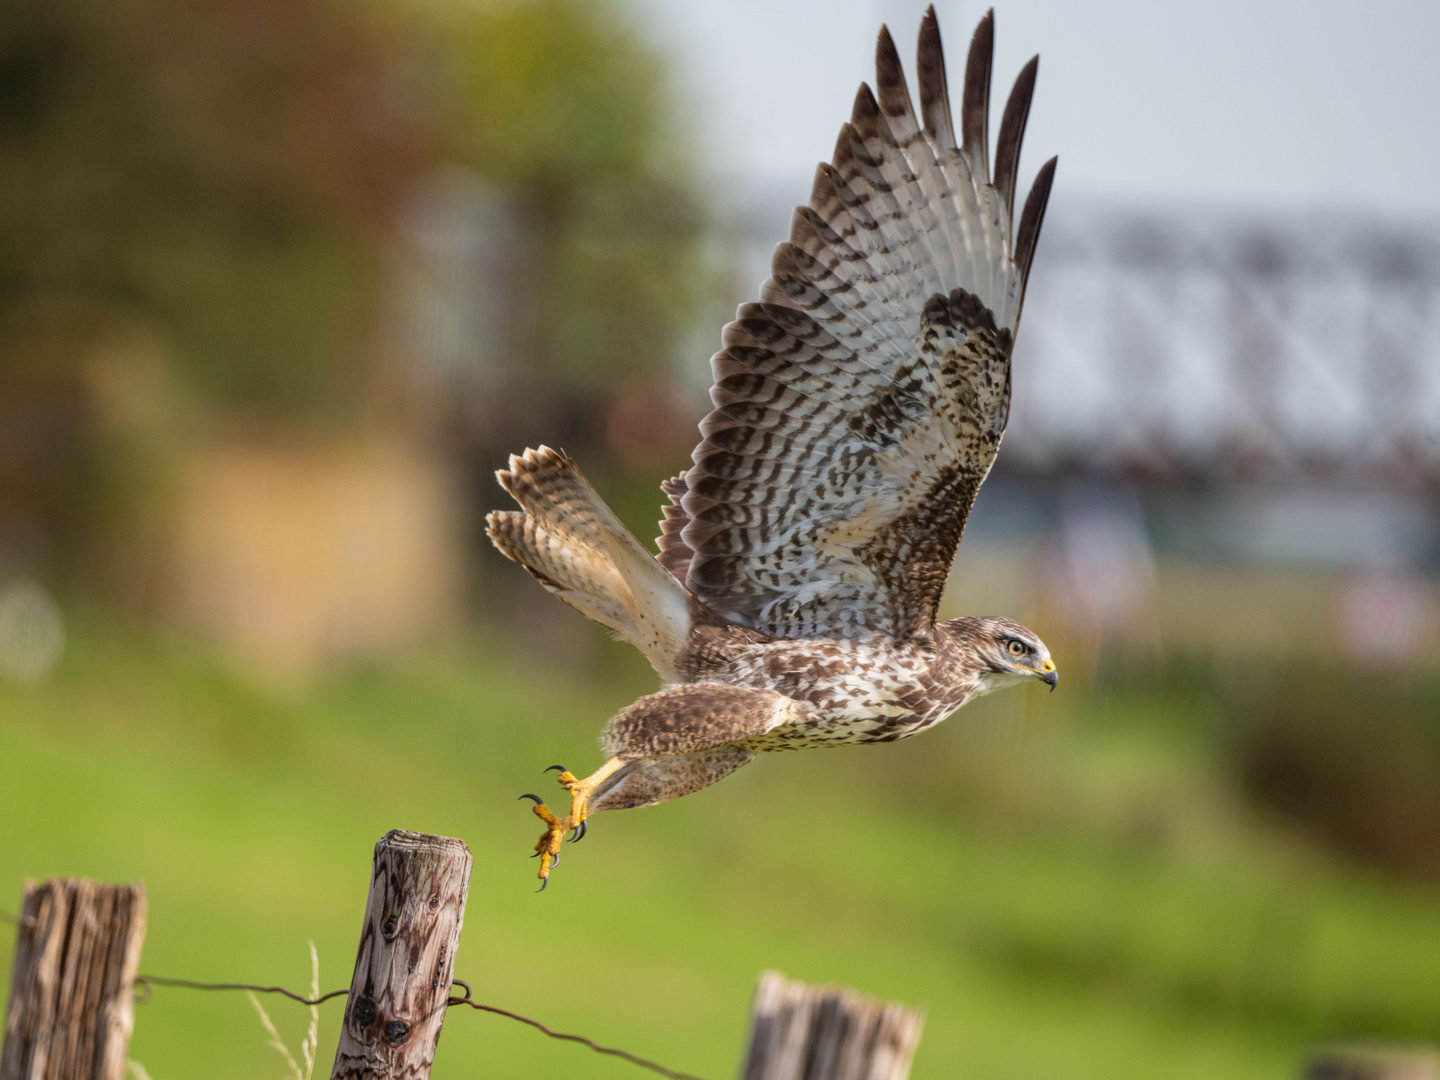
point(1018, 648)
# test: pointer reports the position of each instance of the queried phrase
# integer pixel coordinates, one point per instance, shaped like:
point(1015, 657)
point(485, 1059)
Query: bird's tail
point(574, 545)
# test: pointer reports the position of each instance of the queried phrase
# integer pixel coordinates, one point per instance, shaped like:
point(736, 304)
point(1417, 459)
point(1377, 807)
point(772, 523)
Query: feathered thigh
point(683, 738)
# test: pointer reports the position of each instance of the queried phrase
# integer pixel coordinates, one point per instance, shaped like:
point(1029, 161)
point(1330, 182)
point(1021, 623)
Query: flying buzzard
point(858, 408)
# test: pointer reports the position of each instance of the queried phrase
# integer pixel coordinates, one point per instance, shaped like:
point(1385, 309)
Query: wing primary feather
point(890, 88)
point(925, 237)
point(975, 106)
point(893, 96)
point(1012, 134)
point(1031, 219)
point(934, 91)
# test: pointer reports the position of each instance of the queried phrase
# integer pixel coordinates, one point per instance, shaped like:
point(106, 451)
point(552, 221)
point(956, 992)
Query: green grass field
point(1061, 881)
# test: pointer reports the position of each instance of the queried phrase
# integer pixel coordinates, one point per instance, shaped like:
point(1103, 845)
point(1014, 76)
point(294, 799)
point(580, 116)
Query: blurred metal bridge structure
point(1164, 348)
point(1173, 349)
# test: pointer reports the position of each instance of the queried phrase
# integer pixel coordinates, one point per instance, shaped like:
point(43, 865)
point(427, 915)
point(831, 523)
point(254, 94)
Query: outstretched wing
point(860, 404)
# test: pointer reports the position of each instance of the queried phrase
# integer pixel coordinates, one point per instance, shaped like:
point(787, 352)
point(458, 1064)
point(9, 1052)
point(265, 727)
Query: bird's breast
point(861, 691)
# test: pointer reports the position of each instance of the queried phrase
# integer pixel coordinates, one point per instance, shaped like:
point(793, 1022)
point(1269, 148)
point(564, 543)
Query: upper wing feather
point(860, 404)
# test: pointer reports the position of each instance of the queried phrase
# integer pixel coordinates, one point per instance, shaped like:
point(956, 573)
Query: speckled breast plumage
point(865, 691)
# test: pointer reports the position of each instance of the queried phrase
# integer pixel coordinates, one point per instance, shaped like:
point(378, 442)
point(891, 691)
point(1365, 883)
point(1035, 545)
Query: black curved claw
point(543, 883)
point(536, 855)
point(579, 834)
point(557, 768)
point(537, 799)
point(556, 862)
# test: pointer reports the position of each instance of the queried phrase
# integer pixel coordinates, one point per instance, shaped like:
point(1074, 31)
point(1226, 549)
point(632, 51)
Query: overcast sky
point(1223, 103)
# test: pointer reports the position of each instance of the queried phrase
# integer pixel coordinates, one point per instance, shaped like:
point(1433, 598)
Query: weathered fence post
point(407, 956)
point(800, 1032)
point(1374, 1063)
point(72, 991)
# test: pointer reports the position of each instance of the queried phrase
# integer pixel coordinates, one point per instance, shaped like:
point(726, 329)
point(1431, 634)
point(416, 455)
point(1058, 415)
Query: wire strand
point(187, 984)
point(644, 1063)
point(147, 982)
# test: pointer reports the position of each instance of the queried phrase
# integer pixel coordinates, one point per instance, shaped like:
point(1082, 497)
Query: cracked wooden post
point(406, 959)
point(800, 1032)
point(72, 990)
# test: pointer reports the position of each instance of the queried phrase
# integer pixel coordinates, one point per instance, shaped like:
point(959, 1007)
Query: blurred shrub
point(223, 169)
point(1352, 760)
point(195, 197)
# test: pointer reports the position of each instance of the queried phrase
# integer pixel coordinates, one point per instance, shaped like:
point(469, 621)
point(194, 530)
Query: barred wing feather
point(859, 405)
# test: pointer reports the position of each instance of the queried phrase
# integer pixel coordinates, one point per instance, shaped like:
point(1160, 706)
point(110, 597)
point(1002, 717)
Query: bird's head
point(1009, 652)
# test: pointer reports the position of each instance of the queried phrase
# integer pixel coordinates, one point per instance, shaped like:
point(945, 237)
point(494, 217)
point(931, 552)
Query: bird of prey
point(858, 407)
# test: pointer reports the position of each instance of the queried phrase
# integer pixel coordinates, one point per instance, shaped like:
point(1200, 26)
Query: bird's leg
point(548, 847)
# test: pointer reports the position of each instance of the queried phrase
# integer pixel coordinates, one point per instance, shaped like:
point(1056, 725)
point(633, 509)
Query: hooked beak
point(1049, 676)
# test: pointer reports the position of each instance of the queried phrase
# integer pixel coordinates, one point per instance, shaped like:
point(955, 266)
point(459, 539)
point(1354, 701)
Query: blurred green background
point(1067, 883)
point(281, 282)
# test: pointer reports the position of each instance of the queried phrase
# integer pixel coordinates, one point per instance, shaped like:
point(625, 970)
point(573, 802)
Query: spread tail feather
point(574, 545)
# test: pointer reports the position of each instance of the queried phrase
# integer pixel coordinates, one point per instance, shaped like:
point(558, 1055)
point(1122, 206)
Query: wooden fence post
point(407, 956)
point(1374, 1063)
point(800, 1032)
point(72, 991)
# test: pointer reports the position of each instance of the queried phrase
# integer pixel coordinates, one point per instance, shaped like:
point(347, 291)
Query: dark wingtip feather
point(1031, 220)
point(975, 107)
point(865, 119)
point(865, 107)
point(934, 92)
point(1012, 133)
point(890, 88)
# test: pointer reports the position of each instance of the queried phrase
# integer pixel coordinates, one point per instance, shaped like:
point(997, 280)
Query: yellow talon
point(548, 847)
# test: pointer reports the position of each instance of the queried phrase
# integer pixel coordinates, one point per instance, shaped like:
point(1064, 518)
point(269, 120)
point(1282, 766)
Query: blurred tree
point(563, 105)
point(225, 168)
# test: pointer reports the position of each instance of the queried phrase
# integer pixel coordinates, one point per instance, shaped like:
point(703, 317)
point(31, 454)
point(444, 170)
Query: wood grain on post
point(72, 990)
point(800, 1032)
point(406, 959)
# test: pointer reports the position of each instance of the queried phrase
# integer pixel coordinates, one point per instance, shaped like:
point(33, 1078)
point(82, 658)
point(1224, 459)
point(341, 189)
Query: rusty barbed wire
point(148, 982)
point(644, 1063)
